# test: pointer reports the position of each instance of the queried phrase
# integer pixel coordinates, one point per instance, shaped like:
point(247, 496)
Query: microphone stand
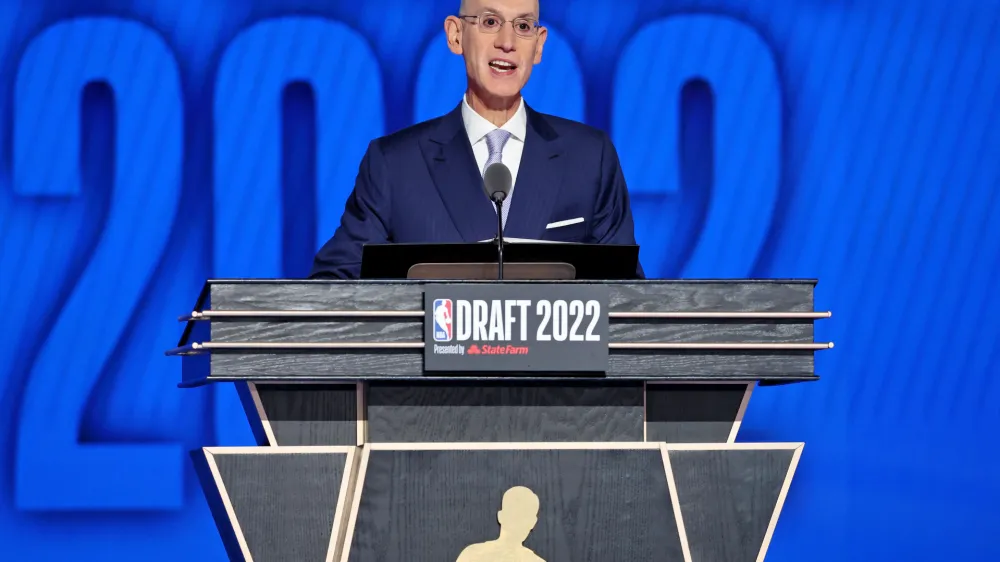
point(498, 202)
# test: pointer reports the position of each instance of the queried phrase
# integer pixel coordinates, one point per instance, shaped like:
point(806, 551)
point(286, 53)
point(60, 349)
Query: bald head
point(477, 5)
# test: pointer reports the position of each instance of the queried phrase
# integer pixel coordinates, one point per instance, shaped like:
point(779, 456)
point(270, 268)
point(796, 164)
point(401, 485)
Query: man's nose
point(506, 38)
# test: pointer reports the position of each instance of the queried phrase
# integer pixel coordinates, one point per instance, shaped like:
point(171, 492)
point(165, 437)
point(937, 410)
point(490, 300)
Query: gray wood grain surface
point(727, 499)
point(660, 295)
point(504, 412)
point(285, 503)
point(594, 505)
point(311, 414)
point(631, 296)
point(408, 365)
point(692, 413)
point(411, 330)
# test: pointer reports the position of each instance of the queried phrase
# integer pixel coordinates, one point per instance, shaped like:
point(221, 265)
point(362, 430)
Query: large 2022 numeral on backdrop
point(145, 193)
point(248, 167)
point(736, 189)
point(250, 194)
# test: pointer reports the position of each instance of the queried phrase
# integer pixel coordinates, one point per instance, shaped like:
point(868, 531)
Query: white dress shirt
point(477, 127)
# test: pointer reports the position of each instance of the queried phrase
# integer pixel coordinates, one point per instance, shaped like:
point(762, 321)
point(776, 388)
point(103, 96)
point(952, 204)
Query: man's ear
point(543, 34)
point(453, 32)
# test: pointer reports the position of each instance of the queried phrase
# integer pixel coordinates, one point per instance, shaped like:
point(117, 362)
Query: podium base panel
point(273, 503)
point(730, 499)
point(567, 502)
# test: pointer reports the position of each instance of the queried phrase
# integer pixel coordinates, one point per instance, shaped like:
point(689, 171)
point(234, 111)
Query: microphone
point(497, 182)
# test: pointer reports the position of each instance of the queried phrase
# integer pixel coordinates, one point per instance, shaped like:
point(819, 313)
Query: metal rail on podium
point(447, 420)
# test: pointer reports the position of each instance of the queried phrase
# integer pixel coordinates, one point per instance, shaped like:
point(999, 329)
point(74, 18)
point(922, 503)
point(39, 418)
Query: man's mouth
point(501, 66)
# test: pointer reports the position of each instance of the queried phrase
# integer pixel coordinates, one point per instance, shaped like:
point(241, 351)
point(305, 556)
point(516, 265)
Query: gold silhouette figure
point(517, 517)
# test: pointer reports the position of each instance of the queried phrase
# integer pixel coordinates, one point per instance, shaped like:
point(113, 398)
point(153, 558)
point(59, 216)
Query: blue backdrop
point(146, 145)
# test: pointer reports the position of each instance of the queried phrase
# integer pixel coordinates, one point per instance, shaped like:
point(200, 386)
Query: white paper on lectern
point(528, 241)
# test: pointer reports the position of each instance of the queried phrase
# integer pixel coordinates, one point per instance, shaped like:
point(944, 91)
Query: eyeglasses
point(491, 23)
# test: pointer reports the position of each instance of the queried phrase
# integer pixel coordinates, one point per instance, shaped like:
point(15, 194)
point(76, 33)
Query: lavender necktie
point(495, 141)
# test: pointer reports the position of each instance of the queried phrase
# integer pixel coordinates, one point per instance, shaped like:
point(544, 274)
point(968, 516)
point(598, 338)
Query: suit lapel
point(452, 166)
point(539, 179)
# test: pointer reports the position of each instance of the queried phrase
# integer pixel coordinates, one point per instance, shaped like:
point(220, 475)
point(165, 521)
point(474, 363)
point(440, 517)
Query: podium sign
point(516, 327)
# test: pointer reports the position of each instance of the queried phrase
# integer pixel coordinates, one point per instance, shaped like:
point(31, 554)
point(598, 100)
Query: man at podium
point(423, 184)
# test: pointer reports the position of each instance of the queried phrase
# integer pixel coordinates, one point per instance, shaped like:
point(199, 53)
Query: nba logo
point(442, 320)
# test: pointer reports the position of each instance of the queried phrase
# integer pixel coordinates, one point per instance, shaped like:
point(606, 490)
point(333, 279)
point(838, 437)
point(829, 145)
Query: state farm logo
point(498, 349)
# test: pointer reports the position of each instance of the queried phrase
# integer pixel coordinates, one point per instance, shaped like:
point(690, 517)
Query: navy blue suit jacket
point(422, 185)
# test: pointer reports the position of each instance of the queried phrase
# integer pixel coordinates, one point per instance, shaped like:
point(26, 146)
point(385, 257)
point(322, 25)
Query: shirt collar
point(477, 126)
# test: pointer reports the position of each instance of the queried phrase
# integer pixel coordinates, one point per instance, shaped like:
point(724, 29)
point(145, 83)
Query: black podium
point(371, 447)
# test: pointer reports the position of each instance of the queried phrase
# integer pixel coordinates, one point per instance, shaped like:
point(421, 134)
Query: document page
point(528, 241)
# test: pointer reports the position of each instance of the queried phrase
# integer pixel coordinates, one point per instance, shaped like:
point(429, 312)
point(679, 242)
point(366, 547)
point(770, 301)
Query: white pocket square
point(567, 222)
